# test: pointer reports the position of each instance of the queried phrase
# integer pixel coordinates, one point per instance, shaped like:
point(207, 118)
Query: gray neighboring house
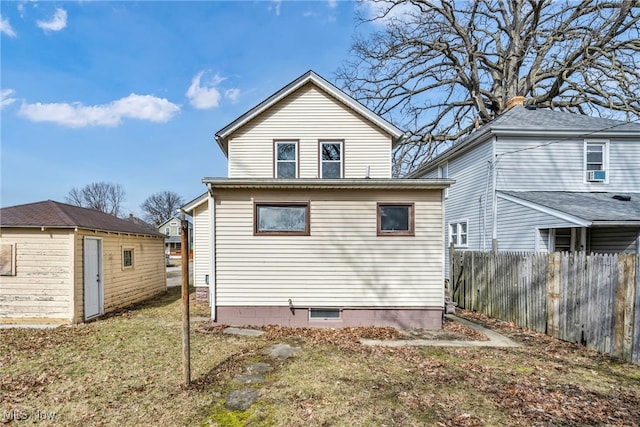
point(172, 242)
point(537, 180)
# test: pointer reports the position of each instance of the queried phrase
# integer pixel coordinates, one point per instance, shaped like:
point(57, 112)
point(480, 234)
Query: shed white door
point(93, 304)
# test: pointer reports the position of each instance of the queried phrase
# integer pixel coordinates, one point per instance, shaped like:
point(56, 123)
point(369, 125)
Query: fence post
point(623, 332)
point(635, 356)
point(553, 294)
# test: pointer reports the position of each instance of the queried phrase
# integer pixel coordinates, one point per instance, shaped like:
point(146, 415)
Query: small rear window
point(324, 313)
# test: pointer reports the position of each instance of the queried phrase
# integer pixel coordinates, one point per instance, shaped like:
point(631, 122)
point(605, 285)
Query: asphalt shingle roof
point(522, 118)
point(525, 120)
point(60, 215)
point(589, 206)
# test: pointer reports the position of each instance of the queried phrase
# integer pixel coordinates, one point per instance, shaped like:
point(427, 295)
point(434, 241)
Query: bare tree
point(102, 196)
point(438, 68)
point(161, 206)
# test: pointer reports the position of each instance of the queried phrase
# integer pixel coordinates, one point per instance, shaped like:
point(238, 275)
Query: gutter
point(328, 184)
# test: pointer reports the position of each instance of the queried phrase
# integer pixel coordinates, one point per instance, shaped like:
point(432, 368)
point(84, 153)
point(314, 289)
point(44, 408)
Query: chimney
point(516, 100)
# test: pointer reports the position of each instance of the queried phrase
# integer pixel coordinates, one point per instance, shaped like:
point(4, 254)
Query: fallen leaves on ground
point(349, 337)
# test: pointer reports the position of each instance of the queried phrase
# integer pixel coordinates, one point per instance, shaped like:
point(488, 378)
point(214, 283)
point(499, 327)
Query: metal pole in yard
point(186, 345)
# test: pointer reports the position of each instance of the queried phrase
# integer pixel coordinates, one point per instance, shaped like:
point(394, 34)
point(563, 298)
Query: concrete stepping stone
point(241, 400)
point(250, 378)
point(282, 351)
point(243, 332)
point(259, 368)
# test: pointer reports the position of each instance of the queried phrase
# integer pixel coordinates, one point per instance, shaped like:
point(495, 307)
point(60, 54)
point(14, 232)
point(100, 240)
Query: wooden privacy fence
point(589, 299)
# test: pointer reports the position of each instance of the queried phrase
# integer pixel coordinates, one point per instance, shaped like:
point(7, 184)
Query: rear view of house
point(62, 264)
point(309, 229)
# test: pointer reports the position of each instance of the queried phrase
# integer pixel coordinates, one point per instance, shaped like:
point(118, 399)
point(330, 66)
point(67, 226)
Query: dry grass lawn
point(127, 370)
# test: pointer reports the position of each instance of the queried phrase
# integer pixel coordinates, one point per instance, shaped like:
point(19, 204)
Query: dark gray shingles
point(521, 118)
point(588, 206)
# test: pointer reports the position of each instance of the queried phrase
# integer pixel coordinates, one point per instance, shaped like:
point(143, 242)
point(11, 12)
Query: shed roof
point(52, 214)
point(528, 121)
point(596, 208)
point(309, 77)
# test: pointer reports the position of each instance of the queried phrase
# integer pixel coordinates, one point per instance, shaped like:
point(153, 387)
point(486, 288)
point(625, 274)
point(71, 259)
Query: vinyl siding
point(309, 115)
point(559, 166)
point(614, 239)
point(41, 289)
point(122, 286)
point(518, 227)
point(469, 199)
point(342, 263)
point(201, 245)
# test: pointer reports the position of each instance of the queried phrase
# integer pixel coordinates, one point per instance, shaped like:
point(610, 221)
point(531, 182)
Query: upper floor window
point(167, 231)
point(331, 159)
point(396, 219)
point(596, 155)
point(458, 234)
point(443, 172)
point(286, 159)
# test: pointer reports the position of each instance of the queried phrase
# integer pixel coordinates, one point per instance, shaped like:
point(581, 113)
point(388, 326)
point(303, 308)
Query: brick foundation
point(202, 293)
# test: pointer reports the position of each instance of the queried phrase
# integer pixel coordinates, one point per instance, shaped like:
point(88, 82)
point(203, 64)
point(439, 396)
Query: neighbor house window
point(596, 155)
point(331, 159)
point(443, 172)
point(281, 219)
point(286, 159)
point(127, 258)
point(458, 234)
point(167, 231)
point(395, 219)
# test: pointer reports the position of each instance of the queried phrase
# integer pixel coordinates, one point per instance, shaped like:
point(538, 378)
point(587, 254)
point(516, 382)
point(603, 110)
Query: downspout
point(484, 217)
point(212, 253)
point(494, 232)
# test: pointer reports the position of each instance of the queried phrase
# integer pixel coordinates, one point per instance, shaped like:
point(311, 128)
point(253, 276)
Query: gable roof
point(593, 208)
point(173, 218)
point(309, 77)
point(529, 121)
point(52, 214)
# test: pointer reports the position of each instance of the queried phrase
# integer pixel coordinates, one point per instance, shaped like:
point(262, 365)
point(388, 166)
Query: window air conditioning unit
point(597, 176)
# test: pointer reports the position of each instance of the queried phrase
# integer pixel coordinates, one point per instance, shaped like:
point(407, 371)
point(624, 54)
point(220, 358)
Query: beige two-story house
point(309, 228)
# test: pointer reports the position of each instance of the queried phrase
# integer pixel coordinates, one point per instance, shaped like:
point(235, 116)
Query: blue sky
point(133, 92)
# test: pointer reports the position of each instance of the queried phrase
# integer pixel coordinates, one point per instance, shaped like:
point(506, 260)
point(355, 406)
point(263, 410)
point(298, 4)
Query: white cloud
point(275, 6)
point(385, 11)
point(76, 115)
point(232, 94)
point(57, 22)
point(333, 3)
point(6, 97)
point(5, 27)
point(205, 95)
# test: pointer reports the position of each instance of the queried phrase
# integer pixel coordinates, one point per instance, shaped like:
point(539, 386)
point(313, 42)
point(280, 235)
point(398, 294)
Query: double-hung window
point(458, 234)
point(596, 154)
point(331, 159)
point(396, 219)
point(286, 159)
point(127, 258)
point(281, 218)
